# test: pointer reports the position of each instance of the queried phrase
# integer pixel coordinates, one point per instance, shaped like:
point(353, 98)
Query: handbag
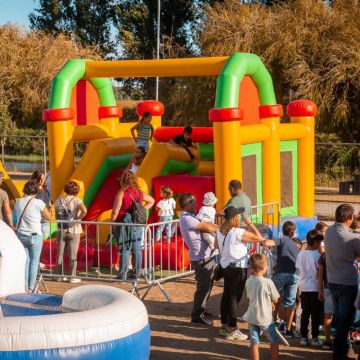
point(218, 271)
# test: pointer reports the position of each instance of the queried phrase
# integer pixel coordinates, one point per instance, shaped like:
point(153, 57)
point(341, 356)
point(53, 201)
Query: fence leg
point(161, 289)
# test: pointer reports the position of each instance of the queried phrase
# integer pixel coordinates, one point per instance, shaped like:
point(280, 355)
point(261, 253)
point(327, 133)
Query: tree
point(28, 63)
point(310, 49)
point(89, 21)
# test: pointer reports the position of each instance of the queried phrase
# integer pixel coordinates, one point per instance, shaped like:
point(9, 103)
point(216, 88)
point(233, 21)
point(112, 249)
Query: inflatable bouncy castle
point(245, 140)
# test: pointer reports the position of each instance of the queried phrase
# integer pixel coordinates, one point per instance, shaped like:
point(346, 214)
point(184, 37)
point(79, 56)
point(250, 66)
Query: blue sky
point(16, 11)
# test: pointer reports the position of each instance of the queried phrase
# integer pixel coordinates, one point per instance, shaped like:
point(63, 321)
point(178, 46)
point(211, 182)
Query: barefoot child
point(262, 295)
point(166, 208)
point(145, 131)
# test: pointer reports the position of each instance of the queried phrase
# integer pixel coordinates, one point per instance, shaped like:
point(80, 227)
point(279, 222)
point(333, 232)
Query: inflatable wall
point(12, 262)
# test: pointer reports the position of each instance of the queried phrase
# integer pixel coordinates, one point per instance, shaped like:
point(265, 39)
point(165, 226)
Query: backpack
point(138, 211)
point(64, 212)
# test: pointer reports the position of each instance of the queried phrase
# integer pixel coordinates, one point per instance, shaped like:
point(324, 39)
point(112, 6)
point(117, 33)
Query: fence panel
point(337, 177)
point(24, 153)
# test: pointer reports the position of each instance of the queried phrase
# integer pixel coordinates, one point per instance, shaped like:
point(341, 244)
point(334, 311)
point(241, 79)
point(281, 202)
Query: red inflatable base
point(49, 255)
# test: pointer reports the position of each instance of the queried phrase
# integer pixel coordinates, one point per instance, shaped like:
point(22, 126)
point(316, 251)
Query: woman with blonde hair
point(128, 239)
point(232, 241)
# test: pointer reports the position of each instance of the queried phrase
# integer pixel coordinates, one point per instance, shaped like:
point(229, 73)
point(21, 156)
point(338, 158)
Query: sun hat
point(210, 199)
point(232, 211)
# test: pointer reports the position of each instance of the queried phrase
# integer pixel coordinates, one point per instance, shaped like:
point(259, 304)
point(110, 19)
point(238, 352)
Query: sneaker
point(202, 320)
point(64, 278)
point(355, 336)
point(223, 332)
point(282, 326)
point(304, 342)
point(289, 334)
point(327, 345)
point(75, 281)
point(236, 335)
point(316, 342)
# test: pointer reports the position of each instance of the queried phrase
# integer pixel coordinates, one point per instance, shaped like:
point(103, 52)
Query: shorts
point(328, 302)
point(270, 332)
point(144, 143)
point(287, 284)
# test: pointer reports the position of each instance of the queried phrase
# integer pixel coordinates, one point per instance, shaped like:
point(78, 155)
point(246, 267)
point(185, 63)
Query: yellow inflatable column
point(304, 112)
point(227, 150)
point(271, 182)
point(60, 145)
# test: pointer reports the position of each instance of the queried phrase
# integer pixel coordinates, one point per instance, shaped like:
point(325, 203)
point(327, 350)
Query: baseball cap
point(210, 199)
point(232, 211)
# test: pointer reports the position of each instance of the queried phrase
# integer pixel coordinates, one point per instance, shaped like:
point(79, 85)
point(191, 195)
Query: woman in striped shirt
point(145, 131)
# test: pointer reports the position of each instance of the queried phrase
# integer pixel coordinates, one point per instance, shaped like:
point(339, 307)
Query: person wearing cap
point(5, 210)
point(199, 252)
point(207, 213)
point(232, 241)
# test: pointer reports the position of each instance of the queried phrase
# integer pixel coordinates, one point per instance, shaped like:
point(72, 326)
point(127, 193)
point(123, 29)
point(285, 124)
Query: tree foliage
point(89, 21)
point(310, 48)
point(28, 63)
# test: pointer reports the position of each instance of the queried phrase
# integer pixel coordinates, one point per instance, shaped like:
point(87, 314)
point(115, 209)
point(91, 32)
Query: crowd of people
point(316, 281)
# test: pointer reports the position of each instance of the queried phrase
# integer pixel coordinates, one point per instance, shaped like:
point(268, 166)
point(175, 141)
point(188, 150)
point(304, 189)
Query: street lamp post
point(158, 47)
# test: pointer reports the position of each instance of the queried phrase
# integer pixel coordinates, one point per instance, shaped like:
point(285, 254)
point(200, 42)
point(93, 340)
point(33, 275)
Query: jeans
point(135, 249)
point(287, 284)
point(71, 241)
point(33, 245)
point(161, 227)
point(204, 277)
point(234, 284)
point(311, 307)
point(344, 297)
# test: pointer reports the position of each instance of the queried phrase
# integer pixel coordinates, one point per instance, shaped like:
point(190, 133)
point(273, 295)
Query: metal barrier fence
point(337, 177)
point(24, 153)
point(156, 251)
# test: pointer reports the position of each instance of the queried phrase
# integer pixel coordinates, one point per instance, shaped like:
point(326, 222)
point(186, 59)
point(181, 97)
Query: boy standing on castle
point(262, 295)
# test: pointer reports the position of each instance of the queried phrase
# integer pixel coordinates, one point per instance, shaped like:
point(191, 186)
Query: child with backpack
point(69, 208)
point(165, 208)
point(145, 131)
point(307, 263)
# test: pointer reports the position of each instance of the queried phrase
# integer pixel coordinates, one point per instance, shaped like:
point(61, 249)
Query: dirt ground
point(175, 337)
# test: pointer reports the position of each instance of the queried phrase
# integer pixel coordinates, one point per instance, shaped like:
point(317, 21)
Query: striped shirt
point(144, 131)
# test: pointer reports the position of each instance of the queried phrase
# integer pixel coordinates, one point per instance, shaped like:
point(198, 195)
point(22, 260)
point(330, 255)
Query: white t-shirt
point(31, 219)
point(134, 168)
point(166, 207)
point(73, 203)
point(234, 249)
point(307, 265)
point(261, 292)
point(207, 214)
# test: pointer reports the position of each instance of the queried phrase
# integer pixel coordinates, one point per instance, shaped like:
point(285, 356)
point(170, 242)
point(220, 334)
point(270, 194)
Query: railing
point(159, 253)
point(26, 157)
point(103, 256)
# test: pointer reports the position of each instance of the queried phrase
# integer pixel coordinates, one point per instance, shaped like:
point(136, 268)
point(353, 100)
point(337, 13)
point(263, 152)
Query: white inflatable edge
point(104, 314)
point(12, 262)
